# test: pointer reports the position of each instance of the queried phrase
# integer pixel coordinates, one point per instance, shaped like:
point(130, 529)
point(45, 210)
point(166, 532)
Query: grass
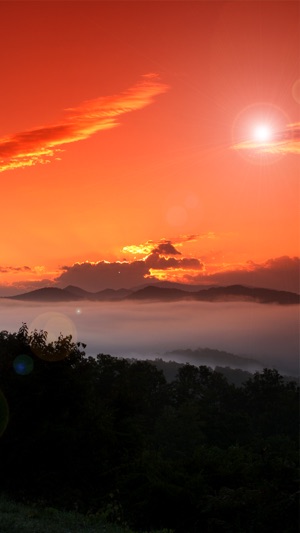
point(26, 518)
point(21, 518)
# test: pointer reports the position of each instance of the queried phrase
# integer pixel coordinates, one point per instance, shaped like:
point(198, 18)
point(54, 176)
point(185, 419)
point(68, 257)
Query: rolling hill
point(163, 294)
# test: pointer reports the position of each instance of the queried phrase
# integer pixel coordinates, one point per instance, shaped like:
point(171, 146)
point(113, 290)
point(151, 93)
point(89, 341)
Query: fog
point(267, 333)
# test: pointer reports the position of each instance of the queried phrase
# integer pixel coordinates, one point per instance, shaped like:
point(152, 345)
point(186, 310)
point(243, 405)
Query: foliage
point(25, 518)
point(112, 437)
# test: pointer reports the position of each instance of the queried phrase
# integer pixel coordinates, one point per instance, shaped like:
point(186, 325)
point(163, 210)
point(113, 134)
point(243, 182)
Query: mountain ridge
point(163, 294)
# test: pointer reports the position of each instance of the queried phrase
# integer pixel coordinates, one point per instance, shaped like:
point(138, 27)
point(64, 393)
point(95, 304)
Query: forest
point(106, 435)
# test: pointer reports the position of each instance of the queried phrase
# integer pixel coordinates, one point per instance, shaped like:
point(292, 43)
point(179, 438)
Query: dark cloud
point(155, 261)
point(166, 248)
point(103, 275)
point(157, 258)
point(281, 273)
point(126, 274)
point(14, 269)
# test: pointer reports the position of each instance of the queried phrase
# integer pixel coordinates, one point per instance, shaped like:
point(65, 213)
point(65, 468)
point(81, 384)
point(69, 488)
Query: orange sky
point(127, 123)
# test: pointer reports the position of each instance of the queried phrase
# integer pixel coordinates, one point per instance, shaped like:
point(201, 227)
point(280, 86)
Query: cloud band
point(283, 142)
point(40, 145)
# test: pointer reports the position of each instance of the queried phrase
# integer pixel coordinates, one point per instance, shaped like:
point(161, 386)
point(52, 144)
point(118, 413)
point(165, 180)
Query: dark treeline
point(113, 436)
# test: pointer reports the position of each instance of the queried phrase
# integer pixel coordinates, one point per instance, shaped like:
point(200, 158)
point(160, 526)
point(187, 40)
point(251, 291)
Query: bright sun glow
point(262, 133)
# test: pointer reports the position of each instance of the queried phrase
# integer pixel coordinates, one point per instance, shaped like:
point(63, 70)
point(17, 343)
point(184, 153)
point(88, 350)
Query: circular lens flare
point(56, 325)
point(23, 365)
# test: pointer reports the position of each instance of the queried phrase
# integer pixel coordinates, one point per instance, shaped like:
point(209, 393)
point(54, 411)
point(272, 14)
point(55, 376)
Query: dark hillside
point(112, 436)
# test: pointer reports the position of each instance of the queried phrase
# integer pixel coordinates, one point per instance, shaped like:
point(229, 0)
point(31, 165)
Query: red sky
point(128, 145)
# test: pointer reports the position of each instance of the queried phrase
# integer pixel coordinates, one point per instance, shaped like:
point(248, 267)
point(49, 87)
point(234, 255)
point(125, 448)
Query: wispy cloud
point(10, 269)
point(286, 141)
point(41, 145)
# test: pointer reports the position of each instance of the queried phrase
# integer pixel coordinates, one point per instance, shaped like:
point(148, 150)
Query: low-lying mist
point(266, 333)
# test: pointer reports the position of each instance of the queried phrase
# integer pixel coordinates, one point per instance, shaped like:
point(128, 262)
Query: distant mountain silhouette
point(156, 293)
point(105, 295)
point(152, 292)
point(213, 357)
point(78, 292)
point(47, 294)
point(240, 292)
point(217, 294)
point(112, 294)
point(71, 293)
point(173, 285)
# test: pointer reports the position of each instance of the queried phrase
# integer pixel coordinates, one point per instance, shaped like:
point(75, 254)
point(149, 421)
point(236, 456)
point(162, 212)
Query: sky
point(150, 140)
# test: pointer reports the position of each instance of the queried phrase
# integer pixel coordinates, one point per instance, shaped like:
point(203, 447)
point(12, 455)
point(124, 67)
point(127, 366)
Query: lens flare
point(23, 365)
point(262, 133)
point(59, 328)
point(254, 128)
point(54, 323)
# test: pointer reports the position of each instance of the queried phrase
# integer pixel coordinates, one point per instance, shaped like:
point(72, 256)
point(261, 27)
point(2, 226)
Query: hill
point(217, 294)
point(47, 294)
point(163, 294)
point(213, 357)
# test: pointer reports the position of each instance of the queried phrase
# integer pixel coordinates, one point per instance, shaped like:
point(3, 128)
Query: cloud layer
point(160, 256)
point(6, 269)
point(281, 273)
point(155, 261)
point(40, 145)
point(283, 142)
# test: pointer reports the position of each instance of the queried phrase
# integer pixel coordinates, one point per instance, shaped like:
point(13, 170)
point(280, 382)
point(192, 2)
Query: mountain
point(110, 295)
point(217, 294)
point(78, 292)
point(162, 294)
point(152, 292)
point(105, 295)
point(213, 357)
point(47, 294)
point(239, 292)
point(71, 294)
point(173, 285)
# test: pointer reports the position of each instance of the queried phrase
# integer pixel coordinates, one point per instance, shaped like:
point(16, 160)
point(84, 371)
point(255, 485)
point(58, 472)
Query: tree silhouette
point(111, 435)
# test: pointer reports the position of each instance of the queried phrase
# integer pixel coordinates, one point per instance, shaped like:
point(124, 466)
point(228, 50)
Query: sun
point(262, 133)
